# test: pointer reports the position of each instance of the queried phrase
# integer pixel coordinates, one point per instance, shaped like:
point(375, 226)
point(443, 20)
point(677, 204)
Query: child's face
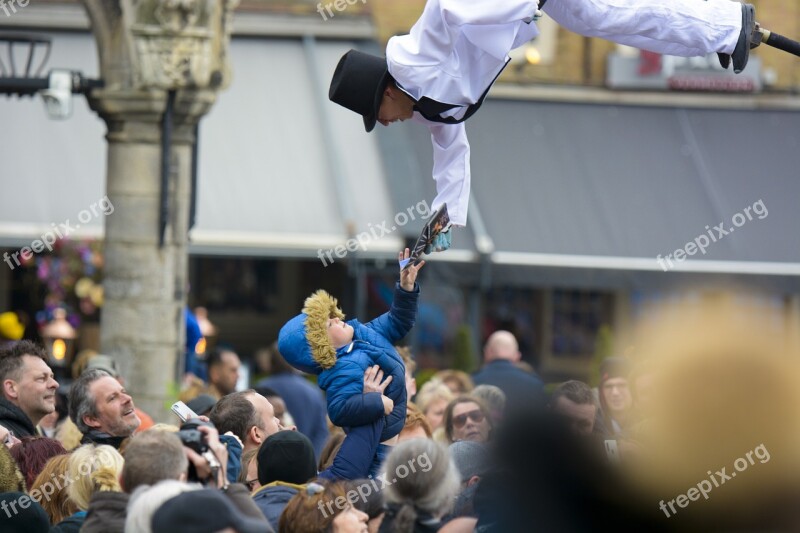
point(339, 332)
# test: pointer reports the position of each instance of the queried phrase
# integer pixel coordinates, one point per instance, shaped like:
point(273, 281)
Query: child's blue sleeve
point(398, 321)
point(356, 453)
point(348, 405)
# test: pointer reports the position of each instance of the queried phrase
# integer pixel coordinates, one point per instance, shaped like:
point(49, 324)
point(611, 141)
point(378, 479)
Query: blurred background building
point(589, 161)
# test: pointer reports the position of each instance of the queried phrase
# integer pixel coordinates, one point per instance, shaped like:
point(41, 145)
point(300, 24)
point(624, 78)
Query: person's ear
point(474, 479)
point(254, 436)
point(91, 421)
point(10, 389)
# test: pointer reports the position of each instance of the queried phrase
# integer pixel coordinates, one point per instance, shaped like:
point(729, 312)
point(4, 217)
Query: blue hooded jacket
point(341, 373)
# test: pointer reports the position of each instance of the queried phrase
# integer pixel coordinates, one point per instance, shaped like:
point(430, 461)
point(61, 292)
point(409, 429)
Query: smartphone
point(183, 411)
point(612, 451)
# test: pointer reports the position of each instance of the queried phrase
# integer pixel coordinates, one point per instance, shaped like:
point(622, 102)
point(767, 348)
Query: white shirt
point(452, 55)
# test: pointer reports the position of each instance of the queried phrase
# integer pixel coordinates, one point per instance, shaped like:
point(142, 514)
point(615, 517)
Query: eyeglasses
point(476, 416)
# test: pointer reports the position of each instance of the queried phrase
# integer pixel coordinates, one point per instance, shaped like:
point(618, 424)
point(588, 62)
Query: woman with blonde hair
point(322, 507)
point(91, 469)
point(432, 399)
point(56, 504)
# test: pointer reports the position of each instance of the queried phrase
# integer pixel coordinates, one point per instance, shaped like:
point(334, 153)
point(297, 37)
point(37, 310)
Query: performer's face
point(396, 105)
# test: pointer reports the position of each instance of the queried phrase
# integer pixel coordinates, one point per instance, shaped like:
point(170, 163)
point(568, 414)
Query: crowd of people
point(493, 451)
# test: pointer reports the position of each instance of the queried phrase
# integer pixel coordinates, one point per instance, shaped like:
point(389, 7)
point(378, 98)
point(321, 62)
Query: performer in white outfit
point(439, 74)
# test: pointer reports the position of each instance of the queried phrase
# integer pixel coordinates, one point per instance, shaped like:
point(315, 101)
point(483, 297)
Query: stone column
point(148, 49)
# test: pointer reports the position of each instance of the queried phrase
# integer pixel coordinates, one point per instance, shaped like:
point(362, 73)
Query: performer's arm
point(459, 12)
point(450, 168)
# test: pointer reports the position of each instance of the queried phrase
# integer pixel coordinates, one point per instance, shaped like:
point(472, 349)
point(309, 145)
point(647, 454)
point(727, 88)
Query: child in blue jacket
point(318, 341)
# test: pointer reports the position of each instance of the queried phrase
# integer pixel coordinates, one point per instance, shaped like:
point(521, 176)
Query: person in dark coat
point(500, 353)
point(28, 387)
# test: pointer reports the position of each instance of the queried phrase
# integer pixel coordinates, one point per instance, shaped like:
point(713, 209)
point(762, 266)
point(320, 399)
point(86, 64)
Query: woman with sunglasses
point(467, 418)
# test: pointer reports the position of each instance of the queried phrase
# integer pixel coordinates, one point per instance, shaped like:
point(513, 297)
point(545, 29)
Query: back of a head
point(501, 345)
point(146, 500)
point(286, 456)
point(152, 456)
point(427, 482)
point(93, 469)
point(58, 506)
point(29, 519)
point(492, 396)
point(32, 453)
point(302, 513)
point(234, 413)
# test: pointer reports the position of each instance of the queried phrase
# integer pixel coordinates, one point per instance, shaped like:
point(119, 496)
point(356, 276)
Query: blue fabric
point(381, 453)
point(357, 453)
point(305, 402)
point(234, 457)
point(373, 343)
point(193, 335)
point(272, 501)
point(521, 388)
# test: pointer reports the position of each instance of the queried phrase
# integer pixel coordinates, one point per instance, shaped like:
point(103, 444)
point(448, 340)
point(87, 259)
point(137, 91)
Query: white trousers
point(674, 27)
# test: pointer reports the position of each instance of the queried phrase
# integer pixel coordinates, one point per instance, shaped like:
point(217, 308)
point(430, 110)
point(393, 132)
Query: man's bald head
point(501, 345)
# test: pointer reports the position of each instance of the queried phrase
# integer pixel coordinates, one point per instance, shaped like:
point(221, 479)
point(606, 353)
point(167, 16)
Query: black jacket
point(106, 513)
point(13, 419)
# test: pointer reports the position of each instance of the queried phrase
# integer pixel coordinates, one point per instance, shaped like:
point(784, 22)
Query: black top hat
point(358, 84)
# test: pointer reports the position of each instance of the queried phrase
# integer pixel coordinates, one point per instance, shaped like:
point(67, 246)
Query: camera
point(194, 439)
point(58, 96)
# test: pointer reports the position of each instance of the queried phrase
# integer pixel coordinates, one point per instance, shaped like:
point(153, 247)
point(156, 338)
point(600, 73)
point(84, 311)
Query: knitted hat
point(286, 456)
point(470, 458)
point(319, 308)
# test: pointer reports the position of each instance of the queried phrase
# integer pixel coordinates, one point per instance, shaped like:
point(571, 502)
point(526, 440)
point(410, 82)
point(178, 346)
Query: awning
point(282, 172)
point(566, 188)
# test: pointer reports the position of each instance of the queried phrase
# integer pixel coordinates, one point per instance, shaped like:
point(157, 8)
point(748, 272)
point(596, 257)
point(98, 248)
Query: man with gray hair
point(102, 409)
point(500, 355)
point(27, 387)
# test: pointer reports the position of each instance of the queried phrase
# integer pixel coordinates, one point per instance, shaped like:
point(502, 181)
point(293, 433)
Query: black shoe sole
point(741, 53)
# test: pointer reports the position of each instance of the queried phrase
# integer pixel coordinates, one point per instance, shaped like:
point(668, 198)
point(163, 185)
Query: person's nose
point(52, 383)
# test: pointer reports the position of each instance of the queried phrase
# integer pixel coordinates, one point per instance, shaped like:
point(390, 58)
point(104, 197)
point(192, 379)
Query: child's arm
point(398, 321)
point(350, 405)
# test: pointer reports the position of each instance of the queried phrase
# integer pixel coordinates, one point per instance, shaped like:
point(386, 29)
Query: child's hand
point(372, 380)
point(388, 405)
point(409, 276)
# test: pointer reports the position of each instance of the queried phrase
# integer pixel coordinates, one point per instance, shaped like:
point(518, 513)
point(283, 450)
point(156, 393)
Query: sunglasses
point(476, 416)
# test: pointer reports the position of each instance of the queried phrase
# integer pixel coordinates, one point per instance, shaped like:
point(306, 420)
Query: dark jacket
point(520, 387)
point(356, 454)
point(106, 513)
point(70, 525)
point(13, 419)
point(98, 438)
point(272, 499)
point(240, 497)
point(373, 344)
point(305, 402)
point(423, 524)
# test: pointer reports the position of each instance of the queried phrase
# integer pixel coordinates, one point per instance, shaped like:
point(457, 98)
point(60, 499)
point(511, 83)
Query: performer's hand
point(409, 276)
point(440, 243)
